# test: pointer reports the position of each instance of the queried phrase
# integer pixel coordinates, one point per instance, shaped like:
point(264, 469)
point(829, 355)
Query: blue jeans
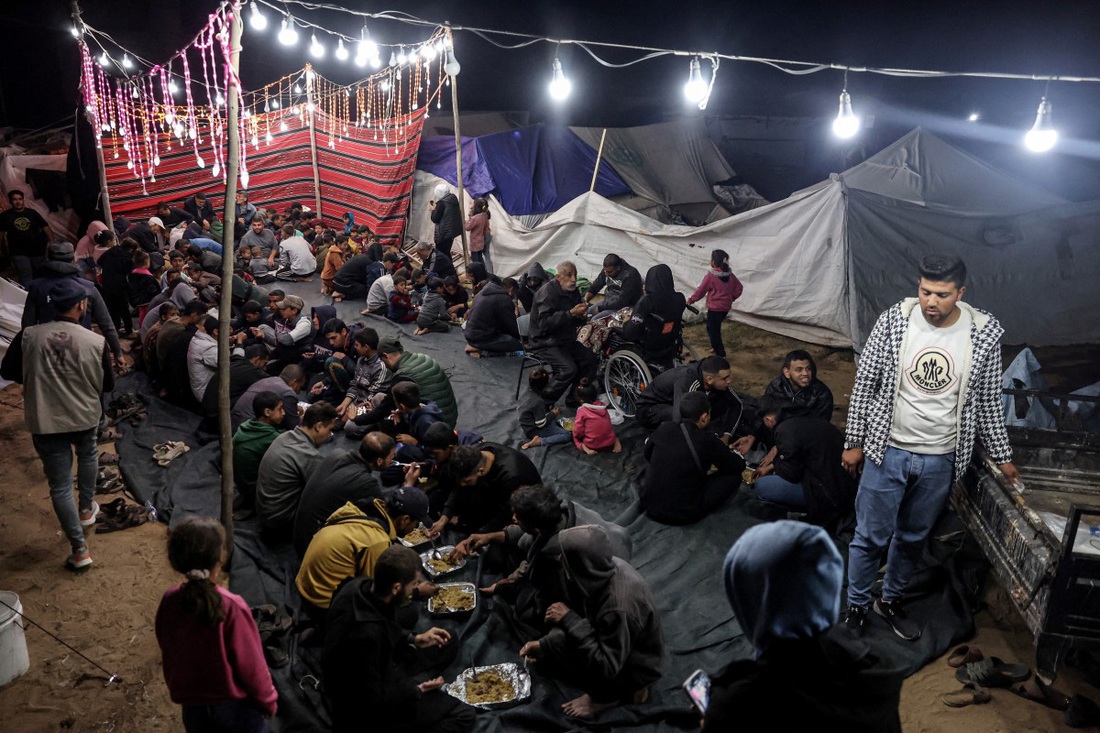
point(56, 452)
point(554, 434)
point(897, 505)
point(778, 490)
point(234, 716)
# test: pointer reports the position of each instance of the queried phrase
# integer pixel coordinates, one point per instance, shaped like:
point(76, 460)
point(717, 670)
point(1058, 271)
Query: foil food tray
point(437, 609)
point(406, 543)
point(516, 676)
point(444, 552)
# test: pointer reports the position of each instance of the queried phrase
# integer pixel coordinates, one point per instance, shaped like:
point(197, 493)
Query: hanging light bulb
point(244, 178)
point(401, 57)
point(341, 52)
point(452, 67)
point(316, 50)
point(559, 85)
point(973, 117)
point(846, 124)
point(275, 104)
point(104, 60)
point(393, 58)
point(257, 20)
point(126, 62)
point(220, 100)
point(216, 170)
point(283, 126)
point(287, 35)
point(75, 30)
point(297, 89)
point(376, 61)
point(172, 88)
point(428, 52)
point(1042, 136)
point(696, 89)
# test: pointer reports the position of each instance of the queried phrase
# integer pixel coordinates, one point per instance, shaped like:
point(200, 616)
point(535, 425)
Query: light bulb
point(75, 30)
point(316, 50)
point(103, 59)
point(156, 160)
point(275, 104)
point(199, 161)
point(401, 57)
point(973, 117)
point(1042, 136)
point(268, 137)
point(846, 124)
point(257, 20)
point(126, 62)
point(376, 61)
point(360, 57)
point(283, 126)
point(244, 178)
point(297, 89)
point(287, 35)
point(559, 85)
point(172, 88)
point(393, 58)
point(216, 170)
point(220, 100)
point(428, 52)
point(696, 89)
point(341, 52)
point(452, 67)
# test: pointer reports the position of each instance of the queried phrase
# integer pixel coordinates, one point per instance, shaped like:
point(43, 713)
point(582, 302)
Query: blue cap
point(65, 293)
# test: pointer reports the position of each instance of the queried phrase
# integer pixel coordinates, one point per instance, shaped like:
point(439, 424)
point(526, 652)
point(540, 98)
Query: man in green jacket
point(251, 441)
point(425, 371)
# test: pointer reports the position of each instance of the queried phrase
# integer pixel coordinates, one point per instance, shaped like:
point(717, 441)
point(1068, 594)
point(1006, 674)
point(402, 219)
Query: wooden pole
point(225, 304)
point(313, 139)
point(599, 156)
point(458, 164)
point(104, 199)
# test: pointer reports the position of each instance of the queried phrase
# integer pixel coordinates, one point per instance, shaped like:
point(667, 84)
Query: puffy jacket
point(447, 219)
point(551, 323)
point(433, 309)
point(432, 380)
point(478, 227)
point(492, 313)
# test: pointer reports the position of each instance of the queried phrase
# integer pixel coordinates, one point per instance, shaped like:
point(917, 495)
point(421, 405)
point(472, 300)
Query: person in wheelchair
point(657, 321)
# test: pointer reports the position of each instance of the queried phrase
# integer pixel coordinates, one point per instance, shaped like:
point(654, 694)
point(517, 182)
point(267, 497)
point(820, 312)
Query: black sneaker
point(855, 618)
point(899, 622)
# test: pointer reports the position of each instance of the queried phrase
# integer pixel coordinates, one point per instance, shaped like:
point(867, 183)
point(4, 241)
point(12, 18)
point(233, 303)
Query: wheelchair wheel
point(625, 376)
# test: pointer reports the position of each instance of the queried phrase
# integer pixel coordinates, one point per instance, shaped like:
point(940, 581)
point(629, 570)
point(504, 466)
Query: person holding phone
point(807, 673)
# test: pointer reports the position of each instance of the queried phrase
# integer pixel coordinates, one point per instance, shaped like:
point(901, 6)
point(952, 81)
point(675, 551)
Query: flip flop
point(1035, 690)
point(964, 655)
point(106, 458)
point(175, 452)
point(110, 435)
point(972, 694)
point(992, 672)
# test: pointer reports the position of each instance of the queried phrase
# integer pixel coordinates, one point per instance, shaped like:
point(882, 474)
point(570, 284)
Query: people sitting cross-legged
point(783, 580)
point(400, 308)
point(623, 282)
point(411, 420)
point(380, 275)
point(338, 367)
point(678, 487)
point(484, 477)
point(557, 311)
point(491, 325)
point(287, 466)
point(592, 429)
point(797, 383)
point(657, 320)
point(659, 402)
point(251, 442)
point(349, 542)
point(607, 638)
point(367, 663)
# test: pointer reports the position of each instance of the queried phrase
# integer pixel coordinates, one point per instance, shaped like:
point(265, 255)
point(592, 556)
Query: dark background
point(784, 141)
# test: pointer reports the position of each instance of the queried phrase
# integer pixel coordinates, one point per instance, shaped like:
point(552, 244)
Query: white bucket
point(14, 661)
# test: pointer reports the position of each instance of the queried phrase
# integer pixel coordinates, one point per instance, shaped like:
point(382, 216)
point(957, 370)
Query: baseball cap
point(60, 251)
point(65, 293)
point(156, 220)
point(291, 301)
point(390, 345)
point(411, 501)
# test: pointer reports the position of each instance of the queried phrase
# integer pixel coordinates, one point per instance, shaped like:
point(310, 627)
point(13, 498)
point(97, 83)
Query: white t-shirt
point(295, 254)
point(379, 294)
point(927, 404)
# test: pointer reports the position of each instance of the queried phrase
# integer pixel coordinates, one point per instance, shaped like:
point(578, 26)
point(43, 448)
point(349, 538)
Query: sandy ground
point(107, 612)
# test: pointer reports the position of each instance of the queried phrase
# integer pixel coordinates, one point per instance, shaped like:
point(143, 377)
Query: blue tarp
point(533, 170)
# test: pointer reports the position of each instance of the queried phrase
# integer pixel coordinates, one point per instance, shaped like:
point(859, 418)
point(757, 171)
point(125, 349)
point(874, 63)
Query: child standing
point(592, 431)
point(539, 424)
point(721, 287)
point(213, 659)
point(401, 309)
point(334, 260)
point(480, 233)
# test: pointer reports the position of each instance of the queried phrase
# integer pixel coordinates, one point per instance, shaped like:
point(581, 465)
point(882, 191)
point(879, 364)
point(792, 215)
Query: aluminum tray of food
point(494, 686)
point(440, 565)
point(416, 538)
point(453, 598)
point(566, 423)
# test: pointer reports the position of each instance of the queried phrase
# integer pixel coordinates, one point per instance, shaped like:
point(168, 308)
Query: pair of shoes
point(895, 616)
point(971, 694)
point(964, 655)
point(165, 453)
point(88, 516)
point(992, 672)
point(81, 558)
point(107, 458)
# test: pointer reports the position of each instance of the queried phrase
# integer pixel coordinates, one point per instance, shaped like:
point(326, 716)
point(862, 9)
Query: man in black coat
point(200, 210)
point(491, 323)
point(797, 384)
point(351, 279)
point(678, 488)
point(436, 260)
point(367, 657)
point(447, 217)
point(556, 313)
point(623, 282)
point(660, 401)
point(484, 477)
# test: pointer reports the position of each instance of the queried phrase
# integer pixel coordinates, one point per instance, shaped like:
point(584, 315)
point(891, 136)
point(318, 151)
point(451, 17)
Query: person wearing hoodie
point(251, 441)
point(659, 402)
point(366, 658)
point(142, 286)
point(721, 287)
point(592, 430)
point(783, 581)
point(607, 639)
point(623, 282)
point(335, 258)
point(116, 262)
point(88, 250)
point(433, 316)
point(313, 359)
point(491, 324)
point(447, 217)
point(348, 218)
point(532, 281)
point(657, 320)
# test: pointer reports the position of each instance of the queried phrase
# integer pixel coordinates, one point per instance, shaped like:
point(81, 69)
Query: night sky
point(39, 66)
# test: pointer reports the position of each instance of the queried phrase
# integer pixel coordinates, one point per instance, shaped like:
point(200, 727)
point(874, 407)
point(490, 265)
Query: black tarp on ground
point(681, 564)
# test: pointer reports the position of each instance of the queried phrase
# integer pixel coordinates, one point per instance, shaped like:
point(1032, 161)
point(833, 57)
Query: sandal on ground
point(964, 655)
point(110, 435)
point(1035, 690)
point(107, 458)
point(992, 672)
point(971, 694)
point(177, 450)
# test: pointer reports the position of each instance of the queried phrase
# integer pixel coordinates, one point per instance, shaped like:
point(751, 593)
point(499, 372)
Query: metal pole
point(313, 139)
point(225, 304)
point(458, 163)
point(599, 156)
point(104, 200)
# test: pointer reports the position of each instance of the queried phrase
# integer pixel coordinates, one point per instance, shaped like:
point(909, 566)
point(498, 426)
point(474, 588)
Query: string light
point(287, 35)
point(973, 117)
point(126, 62)
point(695, 90)
point(846, 124)
point(341, 52)
point(1042, 136)
point(452, 67)
point(257, 20)
point(75, 30)
point(560, 86)
point(316, 50)
point(104, 60)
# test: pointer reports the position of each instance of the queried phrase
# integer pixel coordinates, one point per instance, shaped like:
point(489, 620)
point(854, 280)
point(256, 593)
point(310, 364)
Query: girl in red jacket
point(213, 659)
point(721, 287)
point(592, 431)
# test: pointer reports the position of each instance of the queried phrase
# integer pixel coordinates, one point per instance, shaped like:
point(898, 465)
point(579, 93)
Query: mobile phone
point(697, 687)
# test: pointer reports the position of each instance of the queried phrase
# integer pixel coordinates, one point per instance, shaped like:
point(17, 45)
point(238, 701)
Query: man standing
point(556, 313)
point(928, 382)
point(64, 368)
point(25, 234)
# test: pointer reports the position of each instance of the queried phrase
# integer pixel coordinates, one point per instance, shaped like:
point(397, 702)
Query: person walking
point(721, 287)
point(928, 383)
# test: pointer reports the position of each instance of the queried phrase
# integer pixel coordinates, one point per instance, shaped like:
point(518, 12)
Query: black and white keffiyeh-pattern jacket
point(980, 412)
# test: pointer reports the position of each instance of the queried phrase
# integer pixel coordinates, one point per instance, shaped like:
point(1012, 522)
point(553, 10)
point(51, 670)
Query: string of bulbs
point(1041, 137)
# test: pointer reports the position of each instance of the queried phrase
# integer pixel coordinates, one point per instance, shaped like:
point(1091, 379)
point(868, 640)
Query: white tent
point(820, 265)
point(14, 164)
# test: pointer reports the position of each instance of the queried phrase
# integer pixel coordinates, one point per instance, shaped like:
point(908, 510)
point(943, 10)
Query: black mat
point(681, 564)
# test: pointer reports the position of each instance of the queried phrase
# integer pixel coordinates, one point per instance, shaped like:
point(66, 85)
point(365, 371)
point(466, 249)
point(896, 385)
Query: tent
point(821, 264)
point(41, 177)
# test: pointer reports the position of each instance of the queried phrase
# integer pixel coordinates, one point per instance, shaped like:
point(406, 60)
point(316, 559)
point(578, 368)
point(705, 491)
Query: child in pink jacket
point(721, 287)
point(592, 431)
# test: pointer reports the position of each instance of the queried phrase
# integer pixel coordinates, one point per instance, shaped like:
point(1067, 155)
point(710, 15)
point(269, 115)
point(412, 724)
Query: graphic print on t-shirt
point(932, 372)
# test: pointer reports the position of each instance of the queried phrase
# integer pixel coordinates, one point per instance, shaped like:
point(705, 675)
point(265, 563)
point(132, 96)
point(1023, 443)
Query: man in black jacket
point(678, 487)
point(491, 323)
point(797, 384)
point(366, 657)
point(624, 286)
point(447, 217)
point(484, 477)
point(200, 210)
point(660, 401)
point(556, 313)
point(437, 260)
